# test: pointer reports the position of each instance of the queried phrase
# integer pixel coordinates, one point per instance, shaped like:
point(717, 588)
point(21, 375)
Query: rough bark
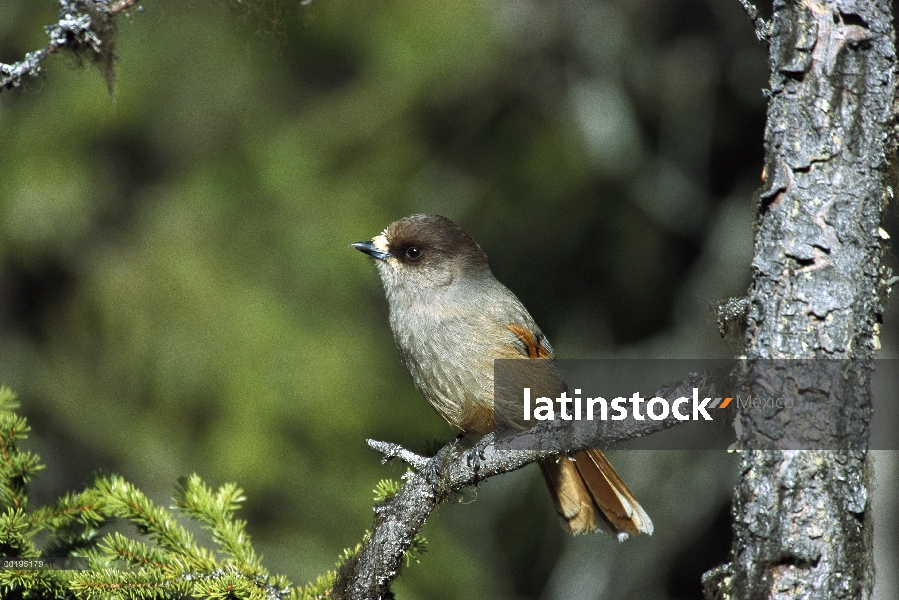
point(801, 527)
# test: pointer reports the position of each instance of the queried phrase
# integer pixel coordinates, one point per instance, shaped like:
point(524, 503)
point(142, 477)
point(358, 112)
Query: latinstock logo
point(577, 408)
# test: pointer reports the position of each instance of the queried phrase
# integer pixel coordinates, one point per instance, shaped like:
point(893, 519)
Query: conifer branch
point(166, 564)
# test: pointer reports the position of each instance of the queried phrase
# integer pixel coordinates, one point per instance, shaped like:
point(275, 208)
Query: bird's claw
point(431, 471)
point(476, 455)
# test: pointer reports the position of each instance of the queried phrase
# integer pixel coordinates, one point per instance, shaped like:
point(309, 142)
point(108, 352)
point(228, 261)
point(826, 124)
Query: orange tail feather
point(590, 496)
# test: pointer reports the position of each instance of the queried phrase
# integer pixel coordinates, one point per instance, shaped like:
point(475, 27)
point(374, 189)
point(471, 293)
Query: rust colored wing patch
point(531, 341)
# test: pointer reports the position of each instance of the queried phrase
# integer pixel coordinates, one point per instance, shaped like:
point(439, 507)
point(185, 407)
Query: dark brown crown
point(436, 236)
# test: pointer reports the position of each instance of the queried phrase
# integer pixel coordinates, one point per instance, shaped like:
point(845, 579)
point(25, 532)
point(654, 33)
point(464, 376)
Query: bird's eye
point(413, 253)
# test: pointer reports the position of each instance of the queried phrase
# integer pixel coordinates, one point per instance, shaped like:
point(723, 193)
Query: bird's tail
point(590, 496)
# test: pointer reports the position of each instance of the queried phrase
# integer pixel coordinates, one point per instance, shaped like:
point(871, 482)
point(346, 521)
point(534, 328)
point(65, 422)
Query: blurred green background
point(177, 293)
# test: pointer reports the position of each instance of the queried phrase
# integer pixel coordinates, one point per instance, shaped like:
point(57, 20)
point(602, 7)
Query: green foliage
point(17, 467)
point(165, 562)
point(418, 547)
point(215, 511)
point(386, 488)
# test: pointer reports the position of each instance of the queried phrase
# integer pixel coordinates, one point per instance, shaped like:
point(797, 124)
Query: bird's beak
point(369, 248)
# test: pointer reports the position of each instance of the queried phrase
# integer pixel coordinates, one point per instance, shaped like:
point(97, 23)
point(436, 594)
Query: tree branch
point(84, 26)
point(391, 451)
point(454, 468)
point(762, 29)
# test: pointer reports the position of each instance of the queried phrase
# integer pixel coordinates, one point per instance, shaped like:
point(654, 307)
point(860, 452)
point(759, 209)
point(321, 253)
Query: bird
point(450, 319)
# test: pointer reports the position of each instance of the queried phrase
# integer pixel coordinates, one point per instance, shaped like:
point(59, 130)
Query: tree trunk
point(801, 527)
